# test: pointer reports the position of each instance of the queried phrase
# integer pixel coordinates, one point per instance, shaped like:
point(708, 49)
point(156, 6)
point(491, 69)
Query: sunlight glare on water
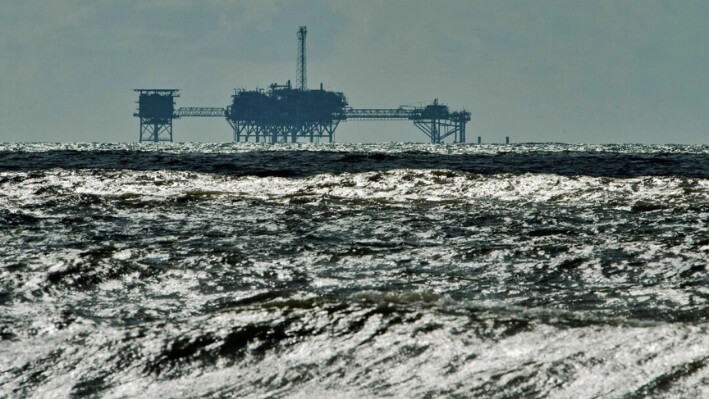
point(353, 270)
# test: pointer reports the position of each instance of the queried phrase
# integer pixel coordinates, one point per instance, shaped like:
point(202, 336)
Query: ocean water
point(354, 271)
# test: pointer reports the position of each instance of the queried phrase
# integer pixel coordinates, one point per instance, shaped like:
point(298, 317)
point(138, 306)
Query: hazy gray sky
point(570, 71)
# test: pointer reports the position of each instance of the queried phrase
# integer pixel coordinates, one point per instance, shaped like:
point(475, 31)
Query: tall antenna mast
point(302, 75)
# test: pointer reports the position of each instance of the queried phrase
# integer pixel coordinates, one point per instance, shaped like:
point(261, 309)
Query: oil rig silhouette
point(284, 113)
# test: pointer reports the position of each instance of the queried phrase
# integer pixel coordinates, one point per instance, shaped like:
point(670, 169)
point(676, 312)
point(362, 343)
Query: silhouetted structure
point(156, 110)
point(301, 73)
point(283, 113)
point(435, 120)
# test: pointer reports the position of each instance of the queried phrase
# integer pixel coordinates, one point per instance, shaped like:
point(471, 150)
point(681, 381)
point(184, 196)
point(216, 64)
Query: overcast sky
point(567, 71)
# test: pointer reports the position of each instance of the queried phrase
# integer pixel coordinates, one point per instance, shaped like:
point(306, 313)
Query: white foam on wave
point(434, 353)
point(174, 304)
point(395, 187)
point(389, 147)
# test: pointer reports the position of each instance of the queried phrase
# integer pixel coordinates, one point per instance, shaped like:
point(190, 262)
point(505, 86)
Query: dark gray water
point(391, 270)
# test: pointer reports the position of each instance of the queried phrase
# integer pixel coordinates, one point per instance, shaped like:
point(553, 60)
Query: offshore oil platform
point(284, 113)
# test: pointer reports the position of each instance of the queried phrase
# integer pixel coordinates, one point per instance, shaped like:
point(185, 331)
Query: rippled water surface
point(382, 270)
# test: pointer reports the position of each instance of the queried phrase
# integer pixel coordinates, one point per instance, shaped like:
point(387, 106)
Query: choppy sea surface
point(354, 271)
